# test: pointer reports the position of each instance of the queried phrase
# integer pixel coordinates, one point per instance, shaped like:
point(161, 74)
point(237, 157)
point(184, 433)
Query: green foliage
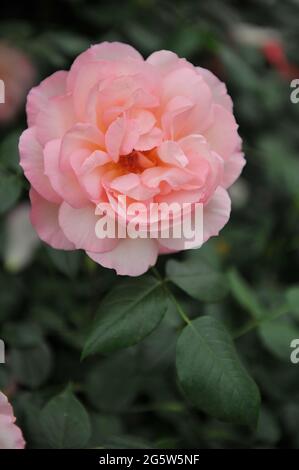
point(65, 423)
point(245, 296)
point(66, 262)
point(106, 379)
point(31, 366)
point(292, 295)
point(277, 336)
point(10, 190)
point(198, 278)
point(128, 314)
point(211, 374)
point(9, 153)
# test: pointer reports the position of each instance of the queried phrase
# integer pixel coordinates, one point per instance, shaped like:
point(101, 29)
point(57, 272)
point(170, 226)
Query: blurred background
point(48, 298)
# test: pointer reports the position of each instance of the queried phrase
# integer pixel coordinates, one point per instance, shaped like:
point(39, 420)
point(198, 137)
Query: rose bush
point(157, 130)
point(10, 435)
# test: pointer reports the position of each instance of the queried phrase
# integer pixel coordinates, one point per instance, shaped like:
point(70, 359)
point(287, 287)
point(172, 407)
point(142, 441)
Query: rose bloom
point(17, 73)
point(154, 130)
point(10, 435)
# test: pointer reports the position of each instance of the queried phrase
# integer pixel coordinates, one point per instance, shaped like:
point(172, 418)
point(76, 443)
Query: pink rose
point(157, 130)
point(10, 435)
point(17, 75)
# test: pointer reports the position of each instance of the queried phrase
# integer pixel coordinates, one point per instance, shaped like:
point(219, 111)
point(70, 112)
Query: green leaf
point(11, 295)
point(239, 70)
point(67, 42)
point(277, 335)
point(212, 375)
point(67, 262)
point(103, 428)
point(207, 253)
point(290, 413)
point(188, 40)
point(143, 37)
point(130, 312)
point(198, 278)
point(268, 428)
point(244, 295)
point(22, 334)
point(292, 295)
point(16, 30)
point(65, 422)
point(29, 408)
point(10, 190)
point(280, 164)
point(108, 377)
point(9, 152)
point(31, 365)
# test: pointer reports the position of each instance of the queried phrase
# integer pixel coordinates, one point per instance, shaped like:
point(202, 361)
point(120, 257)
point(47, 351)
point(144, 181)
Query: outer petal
point(79, 226)
point(233, 168)
point(166, 61)
point(216, 213)
point(218, 88)
point(131, 257)
point(223, 135)
point(108, 51)
point(10, 435)
point(101, 62)
point(114, 51)
point(44, 218)
point(38, 98)
point(54, 121)
point(172, 245)
point(32, 162)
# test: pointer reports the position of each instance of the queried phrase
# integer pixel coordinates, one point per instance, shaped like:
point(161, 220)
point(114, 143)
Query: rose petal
point(44, 218)
point(65, 183)
point(233, 168)
point(79, 226)
point(38, 97)
point(11, 436)
point(32, 162)
point(223, 135)
point(131, 257)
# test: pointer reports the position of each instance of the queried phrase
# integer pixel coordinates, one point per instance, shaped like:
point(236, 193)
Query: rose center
point(137, 162)
point(130, 162)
